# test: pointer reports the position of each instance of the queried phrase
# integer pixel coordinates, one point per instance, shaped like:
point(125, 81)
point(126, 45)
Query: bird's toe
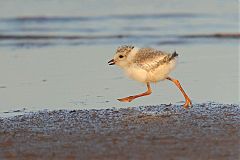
point(126, 99)
point(187, 105)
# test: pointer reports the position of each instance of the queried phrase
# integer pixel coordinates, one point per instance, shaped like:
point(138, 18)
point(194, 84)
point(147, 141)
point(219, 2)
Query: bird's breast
point(137, 74)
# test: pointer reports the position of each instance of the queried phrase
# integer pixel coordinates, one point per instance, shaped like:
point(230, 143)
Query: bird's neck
point(132, 54)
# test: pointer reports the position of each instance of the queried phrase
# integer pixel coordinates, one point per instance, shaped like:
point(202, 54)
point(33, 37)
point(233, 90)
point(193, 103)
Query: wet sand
point(206, 131)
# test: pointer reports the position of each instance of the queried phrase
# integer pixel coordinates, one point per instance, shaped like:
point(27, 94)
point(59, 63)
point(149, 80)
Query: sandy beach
point(206, 131)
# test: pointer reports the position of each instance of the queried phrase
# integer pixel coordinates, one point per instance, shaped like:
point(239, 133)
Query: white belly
point(137, 74)
point(154, 75)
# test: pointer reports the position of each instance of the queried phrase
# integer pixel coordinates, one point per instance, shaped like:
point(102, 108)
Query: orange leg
point(130, 98)
point(188, 102)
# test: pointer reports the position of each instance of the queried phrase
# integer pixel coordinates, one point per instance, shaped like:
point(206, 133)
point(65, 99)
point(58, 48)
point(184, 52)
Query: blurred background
point(54, 54)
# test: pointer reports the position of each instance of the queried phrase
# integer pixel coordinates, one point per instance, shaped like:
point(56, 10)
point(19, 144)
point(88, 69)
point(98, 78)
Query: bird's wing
point(149, 59)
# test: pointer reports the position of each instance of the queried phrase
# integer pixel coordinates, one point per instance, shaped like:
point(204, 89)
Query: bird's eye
point(121, 56)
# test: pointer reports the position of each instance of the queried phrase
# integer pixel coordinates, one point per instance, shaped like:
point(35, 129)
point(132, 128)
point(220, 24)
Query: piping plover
point(147, 65)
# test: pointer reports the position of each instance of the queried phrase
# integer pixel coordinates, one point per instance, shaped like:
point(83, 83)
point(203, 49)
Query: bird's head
point(122, 56)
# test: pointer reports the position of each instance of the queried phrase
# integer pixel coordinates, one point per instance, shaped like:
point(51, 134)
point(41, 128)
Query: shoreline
point(206, 131)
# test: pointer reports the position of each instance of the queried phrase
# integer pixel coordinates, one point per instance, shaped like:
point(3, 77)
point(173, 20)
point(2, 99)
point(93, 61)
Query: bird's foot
point(126, 99)
point(187, 104)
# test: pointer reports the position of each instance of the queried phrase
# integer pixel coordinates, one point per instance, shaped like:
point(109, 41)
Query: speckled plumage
point(125, 48)
point(150, 59)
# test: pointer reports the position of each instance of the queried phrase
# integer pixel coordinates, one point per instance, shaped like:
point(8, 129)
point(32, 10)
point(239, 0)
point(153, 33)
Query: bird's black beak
point(111, 62)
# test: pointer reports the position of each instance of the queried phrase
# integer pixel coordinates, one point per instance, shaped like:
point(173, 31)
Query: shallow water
point(55, 56)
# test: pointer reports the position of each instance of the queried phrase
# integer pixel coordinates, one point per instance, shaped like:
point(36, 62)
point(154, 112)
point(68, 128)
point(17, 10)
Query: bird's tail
point(173, 55)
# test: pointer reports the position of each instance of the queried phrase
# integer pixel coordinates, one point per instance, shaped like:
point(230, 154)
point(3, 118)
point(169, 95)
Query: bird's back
point(149, 58)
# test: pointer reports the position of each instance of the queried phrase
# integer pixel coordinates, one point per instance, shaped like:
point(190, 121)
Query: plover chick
point(147, 65)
